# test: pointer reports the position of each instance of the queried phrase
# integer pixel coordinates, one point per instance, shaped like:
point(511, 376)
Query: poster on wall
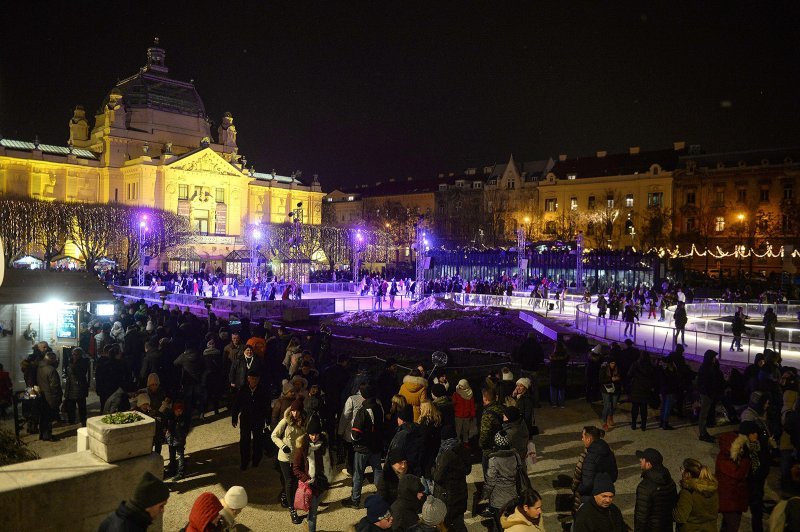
point(67, 323)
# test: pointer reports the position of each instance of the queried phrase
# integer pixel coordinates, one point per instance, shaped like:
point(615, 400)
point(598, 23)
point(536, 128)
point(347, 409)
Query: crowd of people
point(308, 409)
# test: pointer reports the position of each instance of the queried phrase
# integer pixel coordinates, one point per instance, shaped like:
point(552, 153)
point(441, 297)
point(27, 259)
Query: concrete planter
point(113, 443)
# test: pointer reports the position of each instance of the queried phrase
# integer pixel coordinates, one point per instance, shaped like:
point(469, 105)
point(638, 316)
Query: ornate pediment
point(205, 161)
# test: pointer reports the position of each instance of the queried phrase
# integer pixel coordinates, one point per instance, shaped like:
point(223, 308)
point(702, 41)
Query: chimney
point(601, 154)
point(633, 150)
point(562, 157)
point(678, 146)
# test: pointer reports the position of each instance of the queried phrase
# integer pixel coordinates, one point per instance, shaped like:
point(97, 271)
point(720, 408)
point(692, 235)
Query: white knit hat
point(507, 375)
point(235, 498)
point(525, 381)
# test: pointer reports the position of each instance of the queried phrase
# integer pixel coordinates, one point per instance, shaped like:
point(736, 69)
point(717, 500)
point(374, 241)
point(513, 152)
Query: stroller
point(30, 410)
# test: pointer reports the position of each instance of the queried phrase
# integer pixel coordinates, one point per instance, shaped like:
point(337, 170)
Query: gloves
point(286, 449)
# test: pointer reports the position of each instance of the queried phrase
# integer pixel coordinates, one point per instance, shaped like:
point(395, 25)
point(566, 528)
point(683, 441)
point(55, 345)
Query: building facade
point(151, 145)
point(742, 206)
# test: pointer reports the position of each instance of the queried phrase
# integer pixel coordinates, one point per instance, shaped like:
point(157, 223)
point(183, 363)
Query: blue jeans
point(311, 519)
point(666, 407)
point(557, 396)
point(360, 463)
point(609, 405)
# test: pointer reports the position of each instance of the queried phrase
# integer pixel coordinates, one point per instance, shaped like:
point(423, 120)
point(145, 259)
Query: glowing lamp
point(257, 234)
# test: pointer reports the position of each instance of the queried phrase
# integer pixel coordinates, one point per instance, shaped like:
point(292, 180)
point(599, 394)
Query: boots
point(296, 519)
point(611, 422)
point(284, 502)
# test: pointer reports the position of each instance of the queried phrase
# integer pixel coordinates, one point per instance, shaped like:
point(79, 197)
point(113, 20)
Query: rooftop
point(22, 145)
point(46, 286)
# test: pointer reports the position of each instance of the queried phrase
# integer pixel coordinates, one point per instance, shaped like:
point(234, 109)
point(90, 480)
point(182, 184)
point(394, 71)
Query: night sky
point(361, 92)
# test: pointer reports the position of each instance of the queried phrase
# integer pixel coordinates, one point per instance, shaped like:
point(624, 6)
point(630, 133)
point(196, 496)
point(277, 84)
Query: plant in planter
point(121, 435)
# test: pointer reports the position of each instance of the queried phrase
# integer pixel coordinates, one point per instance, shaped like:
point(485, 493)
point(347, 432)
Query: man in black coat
point(410, 440)
point(49, 382)
point(710, 384)
point(137, 514)
point(250, 410)
point(450, 479)
point(599, 513)
point(599, 459)
point(656, 494)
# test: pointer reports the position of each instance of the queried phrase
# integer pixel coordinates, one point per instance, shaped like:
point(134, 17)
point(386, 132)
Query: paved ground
point(212, 465)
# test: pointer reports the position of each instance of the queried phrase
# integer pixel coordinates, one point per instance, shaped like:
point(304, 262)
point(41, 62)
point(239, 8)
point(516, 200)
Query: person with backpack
point(367, 435)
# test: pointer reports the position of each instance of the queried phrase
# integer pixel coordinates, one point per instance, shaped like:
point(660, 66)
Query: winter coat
point(109, 375)
point(285, 434)
point(577, 476)
point(367, 429)
point(710, 380)
point(253, 405)
point(319, 452)
point(558, 369)
point(279, 408)
point(525, 406)
point(411, 439)
point(599, 459)
point(117, 402)
point(387, 386)
point(642, 377)
point(518, 522)
point(191, 364)
point(237, 376)
point(446, 410)
point(463, 408)
point(178, 428)
point(681, 318)
point(592, 518)
point(348, 414)
point(698, 505)
point(406, 508)
point(151, 364)
point(450, 475)
point(491, 422)
point(517, 433)
point(656, 495)
point(77, 384)
point(731, 471)
point(501, 484)
point(49, 384)
point(668, 378)
point(387, 486)
point(126, 518)
point(414, 390)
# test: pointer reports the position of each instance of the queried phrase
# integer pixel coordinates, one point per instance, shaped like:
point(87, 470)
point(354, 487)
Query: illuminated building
point(151, 145)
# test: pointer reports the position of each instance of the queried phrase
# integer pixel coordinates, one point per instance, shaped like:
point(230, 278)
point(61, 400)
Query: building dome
point(152, 88)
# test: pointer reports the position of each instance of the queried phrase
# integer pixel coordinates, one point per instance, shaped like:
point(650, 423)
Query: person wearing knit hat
point(600, 512)
point(205, 513)
point(507, 375)
point(524, 381)
point(433, 513)
point(285, 434)
point(500, 484)
point(314, 425)
point(463, 410)
point(378, 514)
point(233, 503)
point(526, 400)
point(146, 505)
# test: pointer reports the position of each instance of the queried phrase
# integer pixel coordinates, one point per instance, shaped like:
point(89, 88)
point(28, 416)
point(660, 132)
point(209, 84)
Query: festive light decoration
point(96, 229)
point(719, 253)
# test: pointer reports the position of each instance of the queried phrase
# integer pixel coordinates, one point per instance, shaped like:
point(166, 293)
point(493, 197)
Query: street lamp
point(255, 238)
point(142, 233)
point(388, 226)
point(740, 245)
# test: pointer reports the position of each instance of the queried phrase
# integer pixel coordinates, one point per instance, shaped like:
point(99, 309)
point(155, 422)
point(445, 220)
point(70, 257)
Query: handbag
point(610, 387)
point(530, 457)
point(522, 480)
point(302, 497)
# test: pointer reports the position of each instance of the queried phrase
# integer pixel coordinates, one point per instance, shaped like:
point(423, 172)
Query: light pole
point(358, 243)
point(740, 246)
point(142, 234)
point(388, 226)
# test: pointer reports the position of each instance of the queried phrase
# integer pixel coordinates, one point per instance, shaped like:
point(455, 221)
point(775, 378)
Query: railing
point(662, 337)
point(515, 302)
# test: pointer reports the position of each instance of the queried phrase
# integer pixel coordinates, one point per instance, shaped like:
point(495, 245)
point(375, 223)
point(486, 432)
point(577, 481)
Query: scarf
point(313, 447)
point(465, 394)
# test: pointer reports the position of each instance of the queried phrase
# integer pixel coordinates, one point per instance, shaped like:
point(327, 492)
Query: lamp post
point(142, 234)
point(358, 247)
point(388, 226)
point(740, 246)
point(255, 238)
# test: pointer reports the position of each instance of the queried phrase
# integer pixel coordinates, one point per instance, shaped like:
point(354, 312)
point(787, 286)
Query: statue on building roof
point(227, 131)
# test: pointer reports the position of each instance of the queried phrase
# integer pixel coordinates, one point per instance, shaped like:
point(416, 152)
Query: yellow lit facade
point(151, 145)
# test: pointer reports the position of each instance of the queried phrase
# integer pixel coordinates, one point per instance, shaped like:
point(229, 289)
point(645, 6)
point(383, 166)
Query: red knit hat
point(204, 510)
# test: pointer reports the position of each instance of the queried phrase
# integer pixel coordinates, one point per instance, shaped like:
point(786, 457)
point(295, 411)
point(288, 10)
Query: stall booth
point(45, 305)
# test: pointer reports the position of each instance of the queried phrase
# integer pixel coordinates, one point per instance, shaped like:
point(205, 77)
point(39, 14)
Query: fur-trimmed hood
point(707, 488)
point(414, 384)
point(737, 447)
